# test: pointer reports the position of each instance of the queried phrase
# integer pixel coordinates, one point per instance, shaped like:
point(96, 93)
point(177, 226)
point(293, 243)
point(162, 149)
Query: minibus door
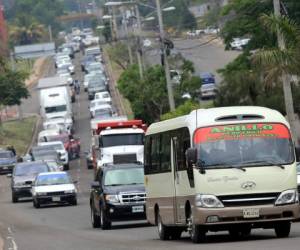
point(176, 205)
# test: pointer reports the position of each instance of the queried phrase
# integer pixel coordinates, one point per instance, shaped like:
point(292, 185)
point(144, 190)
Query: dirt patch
point(37, 71)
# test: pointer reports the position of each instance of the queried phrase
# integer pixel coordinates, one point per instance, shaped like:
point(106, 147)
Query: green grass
point(17, 133)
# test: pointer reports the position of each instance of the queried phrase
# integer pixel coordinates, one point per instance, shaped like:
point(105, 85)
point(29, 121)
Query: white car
point(58, 146)
point(99, 104)
point(53, 187)
point(298, 177)
point(66, 124)
point(104, 95)
point(42, 137)
point(239, 43)
point(208, 90)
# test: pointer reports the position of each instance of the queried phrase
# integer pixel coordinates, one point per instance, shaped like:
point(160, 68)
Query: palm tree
point(280, 64)
point(26, 30)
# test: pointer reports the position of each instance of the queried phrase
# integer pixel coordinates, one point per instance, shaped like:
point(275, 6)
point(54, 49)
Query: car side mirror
point(9, 175)
point(297, 152)
point(95, 185)
point(191, 156)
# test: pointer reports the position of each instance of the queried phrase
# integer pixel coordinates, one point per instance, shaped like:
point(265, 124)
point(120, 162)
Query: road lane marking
point(11, 240)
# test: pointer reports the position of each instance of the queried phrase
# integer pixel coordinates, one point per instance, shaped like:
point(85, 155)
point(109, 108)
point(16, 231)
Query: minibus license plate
point(56, 198)
point(138, 209)
point(251, 213)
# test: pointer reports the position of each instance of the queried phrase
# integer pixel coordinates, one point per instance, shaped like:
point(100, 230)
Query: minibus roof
point(219, 116)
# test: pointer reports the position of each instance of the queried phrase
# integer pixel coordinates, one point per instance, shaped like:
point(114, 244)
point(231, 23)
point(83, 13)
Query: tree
point(180, 18)
point(183, 109)
point(119, 54)
point(26, 30)
point(12, 85)
point(148, 96)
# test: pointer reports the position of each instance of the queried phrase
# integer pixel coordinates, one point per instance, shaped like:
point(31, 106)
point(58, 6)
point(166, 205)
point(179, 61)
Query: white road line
point(10, 238)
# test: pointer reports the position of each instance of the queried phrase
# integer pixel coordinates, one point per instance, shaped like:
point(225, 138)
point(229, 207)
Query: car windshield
point(53, 179)
point(63, 138)
point(127, 176)
point(57, 146)
point(122, 139)
point(6, 154)
point(55, 109)
point(30, 169)
point(254, 144)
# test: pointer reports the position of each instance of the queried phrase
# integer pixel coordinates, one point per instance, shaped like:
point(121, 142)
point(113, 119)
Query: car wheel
point(104, 220)
point(66, 167)
point(164, 232)
point(74, 201)
point(36, 204)
point(14, 198)
point(95, 219)
point(283, 229)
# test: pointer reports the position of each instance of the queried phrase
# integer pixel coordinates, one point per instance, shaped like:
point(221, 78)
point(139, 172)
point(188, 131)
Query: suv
point(7, 161)
point(117, 194)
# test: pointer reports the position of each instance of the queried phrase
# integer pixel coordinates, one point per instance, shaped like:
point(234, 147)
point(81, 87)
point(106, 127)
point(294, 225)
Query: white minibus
point(221, 169)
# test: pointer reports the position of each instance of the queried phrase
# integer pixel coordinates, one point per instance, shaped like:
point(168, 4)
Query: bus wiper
point(222, 165)
point(266, 163)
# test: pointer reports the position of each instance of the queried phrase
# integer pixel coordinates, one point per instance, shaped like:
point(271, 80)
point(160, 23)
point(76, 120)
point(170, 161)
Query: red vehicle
point(72, 145)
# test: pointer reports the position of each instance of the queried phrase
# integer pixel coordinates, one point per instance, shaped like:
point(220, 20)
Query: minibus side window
point(165, 152)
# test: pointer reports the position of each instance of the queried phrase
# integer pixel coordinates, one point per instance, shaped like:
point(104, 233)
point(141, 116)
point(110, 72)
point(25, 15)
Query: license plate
point(251, 213)
point(5, 168)
point(56, 198)
point(138, 209)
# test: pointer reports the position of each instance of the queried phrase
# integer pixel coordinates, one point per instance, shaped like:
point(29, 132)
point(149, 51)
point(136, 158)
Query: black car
point(7, 161)
point(118, 194)
point(94, 86)
point(89, 160)
point(23, 176)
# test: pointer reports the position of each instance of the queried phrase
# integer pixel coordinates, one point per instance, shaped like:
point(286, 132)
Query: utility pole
point(13, 67)
point(286, 81)
point(127, 36)
point(165, 58)
point(139, 52)
point(50, 33)
point(115, 26)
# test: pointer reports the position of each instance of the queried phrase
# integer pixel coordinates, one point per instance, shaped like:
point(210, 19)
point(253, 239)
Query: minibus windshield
point(255, 144)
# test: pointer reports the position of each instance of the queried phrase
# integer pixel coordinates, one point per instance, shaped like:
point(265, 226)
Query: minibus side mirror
point(297, 151)
point(191, 156)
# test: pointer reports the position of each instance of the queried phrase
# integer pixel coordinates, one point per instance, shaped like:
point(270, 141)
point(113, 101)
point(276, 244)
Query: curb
point(1, 243)
point(34, 133)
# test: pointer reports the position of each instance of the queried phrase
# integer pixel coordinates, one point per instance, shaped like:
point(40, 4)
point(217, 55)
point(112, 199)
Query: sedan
point(54, 187)
point(23, 176)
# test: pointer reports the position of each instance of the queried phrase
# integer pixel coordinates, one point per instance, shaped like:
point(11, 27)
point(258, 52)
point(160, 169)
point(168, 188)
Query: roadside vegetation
point(18, 133)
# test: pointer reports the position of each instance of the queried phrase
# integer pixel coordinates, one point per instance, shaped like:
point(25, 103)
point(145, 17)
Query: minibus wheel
point(197, 233)
point(283, 229)
point(164, 232)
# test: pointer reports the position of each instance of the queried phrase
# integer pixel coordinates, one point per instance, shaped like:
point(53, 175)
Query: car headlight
point(287, 197)
point(208, 201)
point(112, 198)
point(72, 191)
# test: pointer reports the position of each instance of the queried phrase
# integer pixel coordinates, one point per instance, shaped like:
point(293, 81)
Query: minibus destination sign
point(241, 131)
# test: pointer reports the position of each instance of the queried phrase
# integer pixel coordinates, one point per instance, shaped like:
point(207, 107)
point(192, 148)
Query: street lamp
point(171, 8)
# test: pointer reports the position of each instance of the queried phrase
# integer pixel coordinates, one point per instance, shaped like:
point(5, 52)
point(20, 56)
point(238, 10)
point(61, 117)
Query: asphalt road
point(206, 58)
point(69, 228)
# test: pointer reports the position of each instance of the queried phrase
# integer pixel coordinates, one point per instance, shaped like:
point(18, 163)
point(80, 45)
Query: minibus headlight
point(208, 201)
point(287, 197)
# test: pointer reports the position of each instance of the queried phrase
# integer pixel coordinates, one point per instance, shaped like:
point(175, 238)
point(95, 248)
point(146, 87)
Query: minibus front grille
point(248, 199)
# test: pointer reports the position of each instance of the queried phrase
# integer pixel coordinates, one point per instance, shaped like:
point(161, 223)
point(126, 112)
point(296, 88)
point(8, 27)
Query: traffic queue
point(220, 169)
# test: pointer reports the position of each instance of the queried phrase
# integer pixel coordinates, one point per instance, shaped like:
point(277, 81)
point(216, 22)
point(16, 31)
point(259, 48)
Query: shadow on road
point(130, 226)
